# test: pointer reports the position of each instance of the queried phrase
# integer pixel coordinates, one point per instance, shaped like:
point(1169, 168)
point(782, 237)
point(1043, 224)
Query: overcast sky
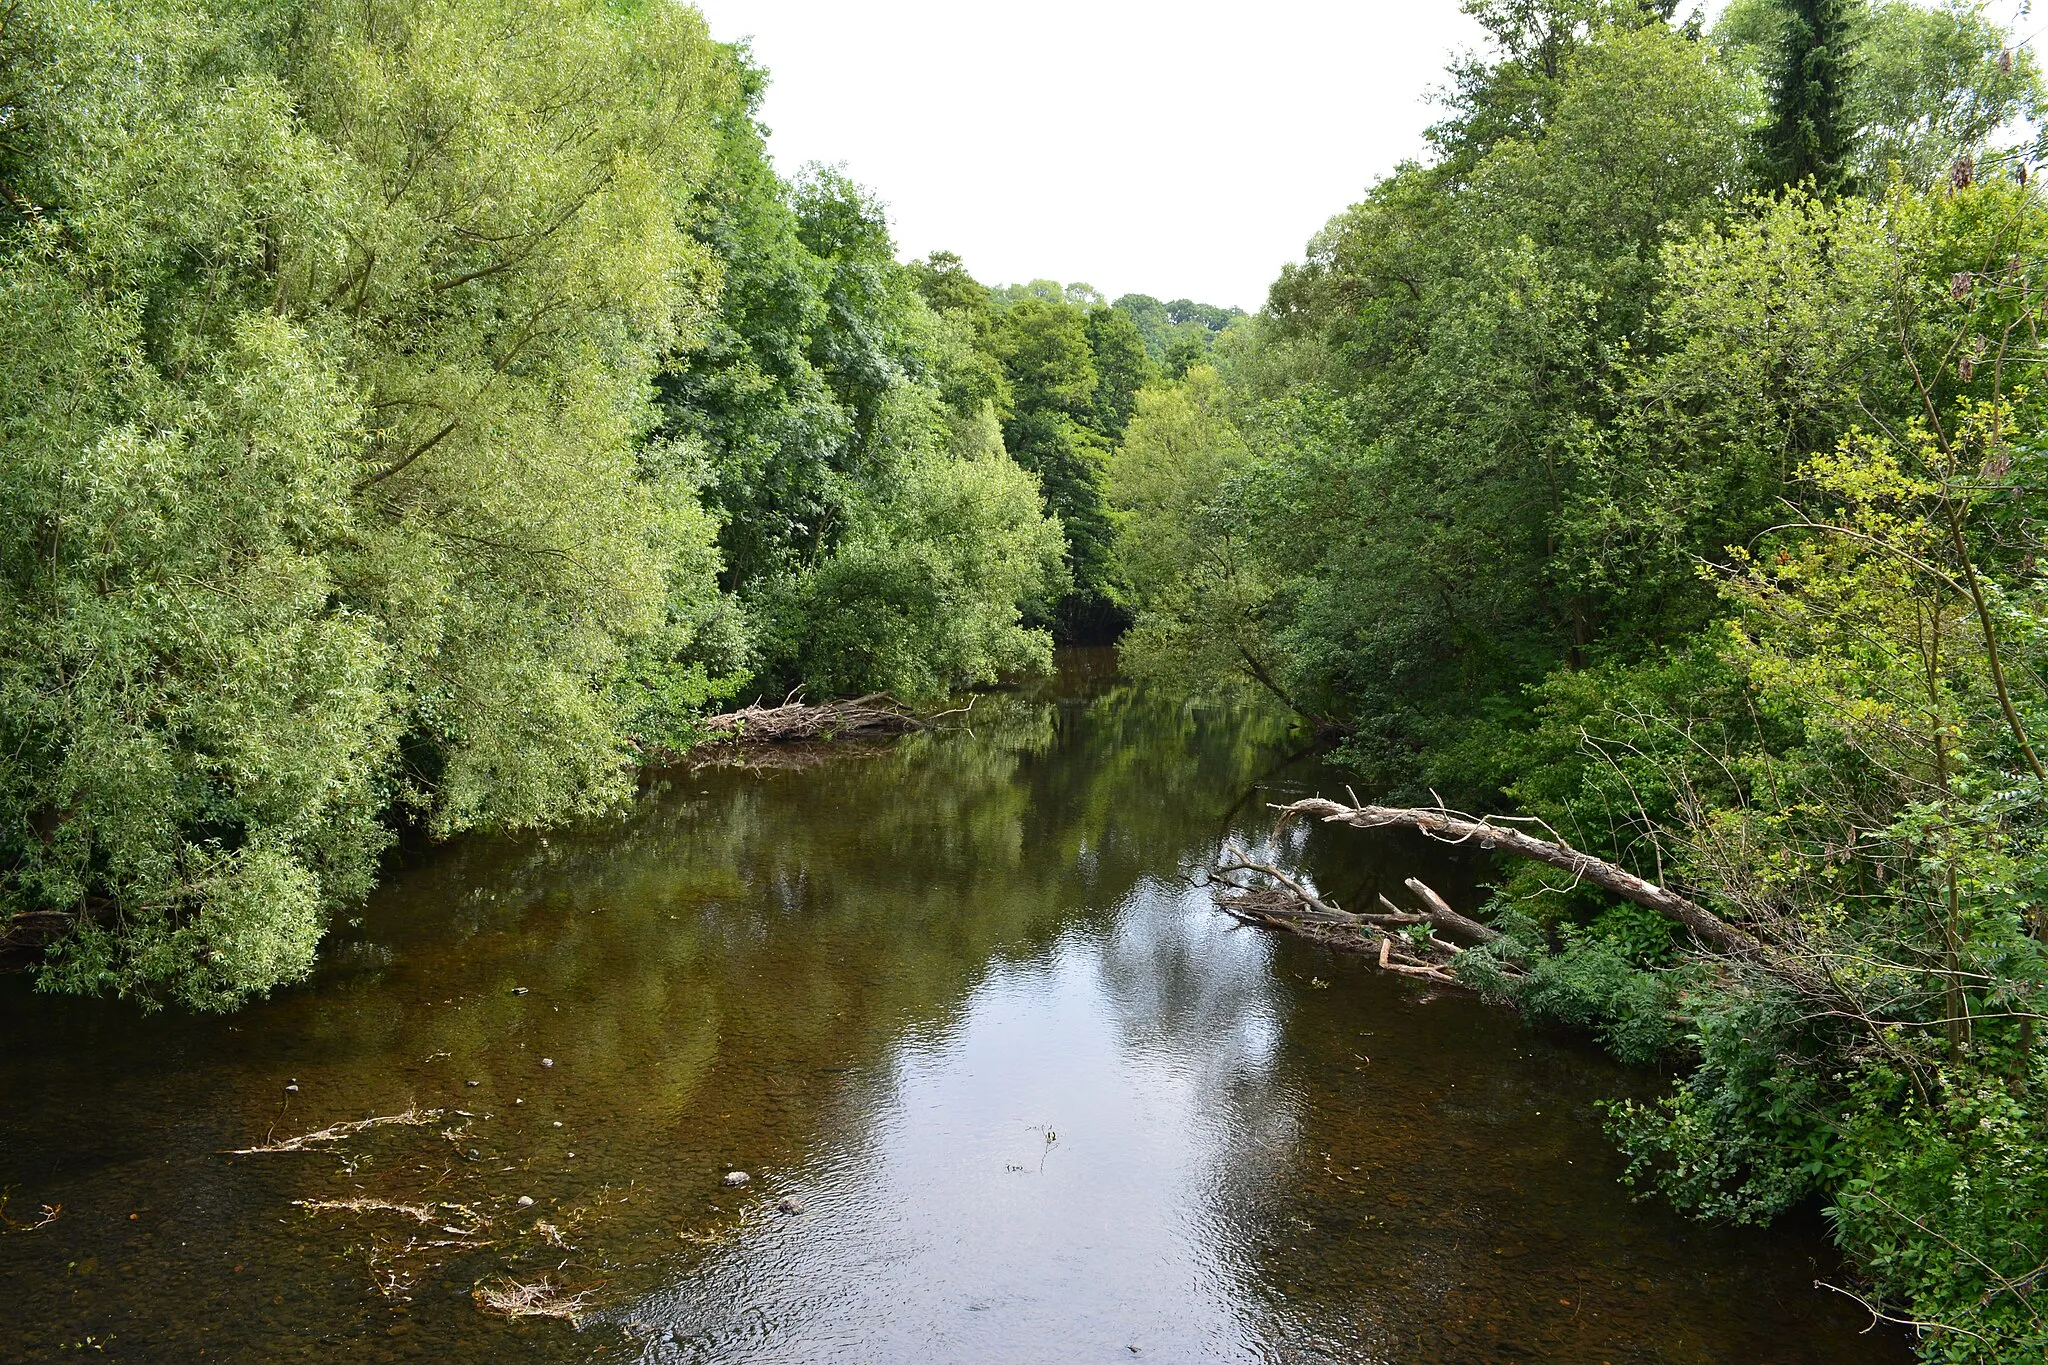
point(1176, 149)
point(1181, 149)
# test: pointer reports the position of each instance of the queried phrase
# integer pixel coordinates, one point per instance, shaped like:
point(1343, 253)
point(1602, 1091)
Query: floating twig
point(413, 1117)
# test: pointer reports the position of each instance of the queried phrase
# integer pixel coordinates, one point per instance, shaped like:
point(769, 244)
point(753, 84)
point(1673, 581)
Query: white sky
point(1175, 149)
point(1184, 150)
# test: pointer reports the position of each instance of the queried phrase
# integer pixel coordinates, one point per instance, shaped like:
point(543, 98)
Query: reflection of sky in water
point(945, 1224)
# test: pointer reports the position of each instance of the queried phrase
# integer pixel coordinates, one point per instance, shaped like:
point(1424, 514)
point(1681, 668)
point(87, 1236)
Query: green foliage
point(1929, 84)
point(1706, 531)
point(1807, 140)
point(1617, 978)
point(841, 407)
point(1428, 389)
point(1873, 808)
point(1059, 397)
point(925, 590)
point(1177, 335)
point(1202, 593)
point(1123, 366)
point(1934, 85)
point(1045, 352)
point(1947, 1207)
point(1593, 987)
point(752, 398)
point(1064, 372)
point(387, 390)
point(1745, 1135)
point(330, 333)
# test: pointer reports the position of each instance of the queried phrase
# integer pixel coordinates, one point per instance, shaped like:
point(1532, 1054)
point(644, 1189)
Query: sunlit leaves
point(329, 340)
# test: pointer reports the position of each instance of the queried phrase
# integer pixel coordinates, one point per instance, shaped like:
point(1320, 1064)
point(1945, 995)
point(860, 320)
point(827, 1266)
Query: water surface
point(1021, 1094)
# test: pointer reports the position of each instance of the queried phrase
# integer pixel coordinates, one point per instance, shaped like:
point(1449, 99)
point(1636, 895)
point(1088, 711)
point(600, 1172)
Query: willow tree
point(327, 334)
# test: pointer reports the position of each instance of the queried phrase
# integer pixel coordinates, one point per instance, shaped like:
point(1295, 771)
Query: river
point(1005, 1086)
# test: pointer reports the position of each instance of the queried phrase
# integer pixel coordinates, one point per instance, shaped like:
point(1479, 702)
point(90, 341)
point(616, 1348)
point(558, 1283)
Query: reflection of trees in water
point(1196, 1023)
point(1455, 1198)
point(735, 971)
point(1203, 1000)
point(722, 975)
point(727, 952)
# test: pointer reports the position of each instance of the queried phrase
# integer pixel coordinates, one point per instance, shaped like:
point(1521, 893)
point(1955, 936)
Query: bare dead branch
point(1442, 824)
point(1290, 906)
point(1448, 920)
point(413, 1117)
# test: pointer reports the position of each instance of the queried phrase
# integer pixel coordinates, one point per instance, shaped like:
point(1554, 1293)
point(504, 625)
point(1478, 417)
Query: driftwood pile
point(871, 717)
point(797, 735)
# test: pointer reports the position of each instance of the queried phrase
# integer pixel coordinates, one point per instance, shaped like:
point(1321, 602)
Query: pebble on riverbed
point(789, 1204)
point(547, 1061)
point(525, 1201)
point(737, 1177)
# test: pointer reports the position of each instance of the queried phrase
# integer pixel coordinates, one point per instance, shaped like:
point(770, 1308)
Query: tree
point(827, 401)
point(751, 395)
point(331, 330)
point(1508, 95)
point(1811, 133)
point(1122, 369)
point(1203, 589)
point(1847, 766)
point(1934, 85)
point(928, 588)
point(1148, 315)
point(1931, 83)
point(1046, 356)
point(943, 280)
point(1179, 334)
point(1462, 342)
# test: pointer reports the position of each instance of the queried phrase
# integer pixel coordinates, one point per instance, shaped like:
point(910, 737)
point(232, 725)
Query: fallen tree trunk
point(1447, 920)
point(1438, 823)
point(1294, 907)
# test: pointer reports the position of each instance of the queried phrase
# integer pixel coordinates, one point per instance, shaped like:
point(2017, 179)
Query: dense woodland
point(416, 416)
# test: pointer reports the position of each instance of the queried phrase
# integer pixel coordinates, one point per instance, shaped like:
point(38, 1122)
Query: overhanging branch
point(1438, 823)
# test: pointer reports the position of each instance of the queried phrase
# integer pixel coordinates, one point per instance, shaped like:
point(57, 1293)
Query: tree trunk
point(1449, 921)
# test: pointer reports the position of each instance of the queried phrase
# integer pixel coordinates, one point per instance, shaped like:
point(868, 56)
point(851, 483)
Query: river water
point(1019, 1092)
